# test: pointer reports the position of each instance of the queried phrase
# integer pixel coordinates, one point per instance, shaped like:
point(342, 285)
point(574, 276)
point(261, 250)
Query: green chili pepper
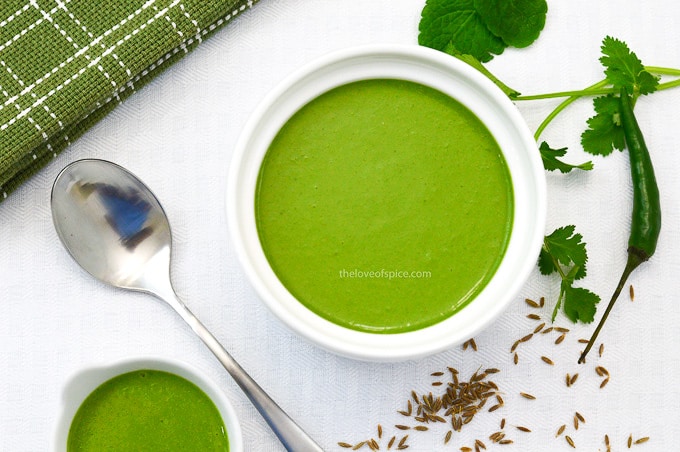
point(646, 219)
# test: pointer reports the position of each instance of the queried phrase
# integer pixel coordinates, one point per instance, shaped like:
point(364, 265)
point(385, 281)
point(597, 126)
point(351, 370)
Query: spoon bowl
point(115, 228)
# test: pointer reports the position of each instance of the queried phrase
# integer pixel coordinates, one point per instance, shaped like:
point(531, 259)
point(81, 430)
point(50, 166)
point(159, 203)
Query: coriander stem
point(577, 93)
point(662, 70)
point(562, 106)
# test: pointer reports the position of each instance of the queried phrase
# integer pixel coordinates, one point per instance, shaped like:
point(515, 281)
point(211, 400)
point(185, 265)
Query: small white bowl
point(450, 76)
point(80, 385)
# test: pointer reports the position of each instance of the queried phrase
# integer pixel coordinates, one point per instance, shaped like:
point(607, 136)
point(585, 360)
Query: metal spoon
point(115, 228)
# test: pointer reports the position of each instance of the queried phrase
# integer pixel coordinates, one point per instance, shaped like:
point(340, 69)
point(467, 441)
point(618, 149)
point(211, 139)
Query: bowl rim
point(327, 71)
point(83, 381)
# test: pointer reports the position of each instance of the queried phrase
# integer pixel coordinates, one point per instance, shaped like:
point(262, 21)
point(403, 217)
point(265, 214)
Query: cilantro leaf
point(624, 69)
point(566, 247)
point(605, 132)
point(545, 263)
point(457, 23)
point(579, 304)
point(552, 163)
point(517, 22)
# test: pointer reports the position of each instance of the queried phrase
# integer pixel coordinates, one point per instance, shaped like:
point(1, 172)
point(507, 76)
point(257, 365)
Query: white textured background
point(178, 133)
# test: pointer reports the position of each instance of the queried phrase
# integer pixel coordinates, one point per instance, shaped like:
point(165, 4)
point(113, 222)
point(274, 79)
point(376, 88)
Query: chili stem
point(631, 264)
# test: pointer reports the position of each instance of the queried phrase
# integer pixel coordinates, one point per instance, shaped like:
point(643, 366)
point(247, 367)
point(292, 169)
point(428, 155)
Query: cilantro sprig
point(564, 252)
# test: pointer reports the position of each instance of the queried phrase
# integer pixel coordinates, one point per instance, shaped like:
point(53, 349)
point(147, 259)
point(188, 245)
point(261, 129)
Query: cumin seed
point(480, 444)
point(359, 445)
point(515, 358)
point(601, 351)
point(580, 417)
point(505, 441)
point(527, 396)
point(402, 427)
point(531, 303)
point(527, 337)
point(420, 428)
point(567, 380)
point(391, 443)
point(345, 445)
point(573, 379)
point(604, 382)
point(373, 444)
point(539, 328)
point(541, 302)
point(559, 340)
point(447, 438)
point(379, 431)
point(642, 440)
point(632, 293)
point(547, 330)
point(630, 440)
point(570, 441)
point(547, 360)
point(465, 449)
point(502, 423)
point(583, 341)
point(402, 442)
point(523, 429)
point(533, 316)
point(560, 430)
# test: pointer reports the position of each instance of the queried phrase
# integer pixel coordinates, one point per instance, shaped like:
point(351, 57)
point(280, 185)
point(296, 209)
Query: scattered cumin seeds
point(531, 303)
point(373, 444)
point(642, 440)
point(402, 442)
point(547, 360)
point(470, 343)
point(534, 316)
point(560, 430)
point(447, 438)
point(527, 396)
point(521, 428)
point(570, 441)
point(559, 340)
point(345, 445)
point(601, 371)
point(632, 293)
point(359, 445)
point(479, 444)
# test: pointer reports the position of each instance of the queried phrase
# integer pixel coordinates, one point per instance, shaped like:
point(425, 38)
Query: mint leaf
point(580, 304)
point(604, 132)
point(517, 22)
point(624, 69)
point(456, 23)
point(552, 163)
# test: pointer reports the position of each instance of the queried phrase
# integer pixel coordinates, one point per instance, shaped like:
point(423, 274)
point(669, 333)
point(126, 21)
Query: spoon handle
point(293, 438)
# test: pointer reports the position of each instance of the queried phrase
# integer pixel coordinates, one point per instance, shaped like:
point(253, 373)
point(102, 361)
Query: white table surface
point(178, 134)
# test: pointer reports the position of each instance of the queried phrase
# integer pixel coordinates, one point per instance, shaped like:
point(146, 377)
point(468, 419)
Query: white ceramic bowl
point(448, 75)
point(80, 385)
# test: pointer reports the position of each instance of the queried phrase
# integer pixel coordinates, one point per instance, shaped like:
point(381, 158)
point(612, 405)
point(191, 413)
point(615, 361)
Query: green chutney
point(384, 205)
point(148, 410)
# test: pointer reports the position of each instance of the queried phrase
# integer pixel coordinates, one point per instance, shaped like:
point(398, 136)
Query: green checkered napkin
point(64, 64)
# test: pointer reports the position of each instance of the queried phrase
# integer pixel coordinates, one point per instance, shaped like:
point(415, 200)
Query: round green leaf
point(517, 22)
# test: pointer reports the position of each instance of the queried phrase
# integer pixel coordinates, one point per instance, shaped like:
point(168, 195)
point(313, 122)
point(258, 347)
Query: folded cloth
point(64, 64)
